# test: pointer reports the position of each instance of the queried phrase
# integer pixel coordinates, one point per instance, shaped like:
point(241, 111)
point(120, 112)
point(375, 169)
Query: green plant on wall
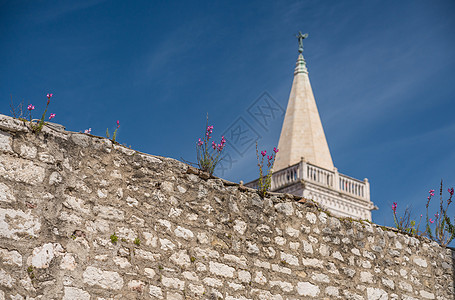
point(405, 223)
point(443, 230)
point(114, 135)
point(265, 181)
point(114, 238)
point(209, 155)
point(35, 124)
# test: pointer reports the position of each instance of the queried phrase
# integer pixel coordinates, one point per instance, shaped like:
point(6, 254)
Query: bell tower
point(304, 165)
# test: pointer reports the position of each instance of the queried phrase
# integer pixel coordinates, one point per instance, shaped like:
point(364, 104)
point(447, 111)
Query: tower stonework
point(304, 166)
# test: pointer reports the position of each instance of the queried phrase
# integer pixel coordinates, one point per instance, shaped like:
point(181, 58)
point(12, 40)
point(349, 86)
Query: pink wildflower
point(213, 145)
point(450, 191)
point(209, 132)
point(263, 153)
point(275, 149)
point(49, 96)
point(431, 192)
point(394, 207)
point(222, 144)
point(88, 130)
point(30, 107)
point(200, 142)
point(436, 215)
point(118, 123)
point(431, 221)
point(51, 116)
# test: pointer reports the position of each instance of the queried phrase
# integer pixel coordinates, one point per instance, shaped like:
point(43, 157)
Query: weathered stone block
point(72, 293)
point(285, 208)
point(21, 170)
point(16, 223)
point(6, 142)
point(5, 194)
point(42, 256)
point(155, 292)
point(376, 294)
point(11, 257)
point(307, 289)
point(6, 279)
point(181, 258)
point(221, 269)
point(174, 283)
point(104, 279)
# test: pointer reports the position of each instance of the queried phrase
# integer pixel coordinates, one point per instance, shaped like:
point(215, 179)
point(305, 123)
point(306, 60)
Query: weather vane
point(301, 37)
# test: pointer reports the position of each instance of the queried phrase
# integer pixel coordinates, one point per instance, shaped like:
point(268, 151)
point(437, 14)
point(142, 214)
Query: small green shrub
point(405, 223)
point(444, 227)
point(208, 158)
point(114, 135)
point(114, 238)
point(31, 272)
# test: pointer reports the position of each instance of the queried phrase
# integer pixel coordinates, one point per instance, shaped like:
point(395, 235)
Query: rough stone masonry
point(82, 218)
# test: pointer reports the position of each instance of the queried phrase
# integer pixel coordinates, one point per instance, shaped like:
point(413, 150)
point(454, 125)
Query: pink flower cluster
point(431, 192)
point(118, 124)
point(88, 130)
point(394, 207)
point(269, 157)
point(30, 107)
point(49, 96)
point(215, 146)
point(219, 146)
point(209, 132)
point(51, 116)
point(450, 190)
point(436, 216)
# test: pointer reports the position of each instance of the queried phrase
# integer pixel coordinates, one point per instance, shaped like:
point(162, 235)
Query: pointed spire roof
point(302, 134)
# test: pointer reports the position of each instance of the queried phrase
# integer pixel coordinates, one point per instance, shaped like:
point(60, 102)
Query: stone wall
point(182, 235)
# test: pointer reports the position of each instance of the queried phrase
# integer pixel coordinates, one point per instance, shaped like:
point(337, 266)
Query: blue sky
point(381, 71)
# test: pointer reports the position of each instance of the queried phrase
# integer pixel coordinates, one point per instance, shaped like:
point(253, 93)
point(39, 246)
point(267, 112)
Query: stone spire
point(302, 134)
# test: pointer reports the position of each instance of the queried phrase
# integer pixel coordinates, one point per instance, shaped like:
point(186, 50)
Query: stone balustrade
point(320, 176)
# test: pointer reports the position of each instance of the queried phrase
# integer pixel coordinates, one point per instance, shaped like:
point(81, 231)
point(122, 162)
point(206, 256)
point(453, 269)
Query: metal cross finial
point(301, 37)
